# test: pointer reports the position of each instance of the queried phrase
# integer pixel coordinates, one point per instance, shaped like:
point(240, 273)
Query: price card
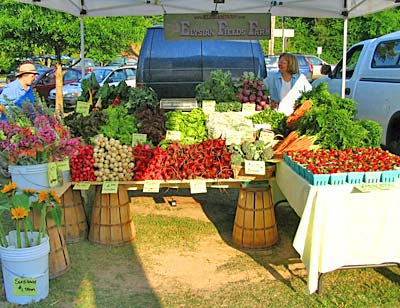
point(262, 126)
point(63, 165)
point(208, 106)
point(110, 187)
point(151, 186)
point(173, 135)
point(365, 187)
point(138, 138)
point(266, 136)
point(25, 287)
point(82, 107)
point(81, 186)
point(198, 186)
point(248, 108)
point(232, 136)
point(254, 167)
point(52, 174)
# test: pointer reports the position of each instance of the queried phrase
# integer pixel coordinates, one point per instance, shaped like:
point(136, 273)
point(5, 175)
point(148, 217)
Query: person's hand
point(2, 109)
point(273, 105)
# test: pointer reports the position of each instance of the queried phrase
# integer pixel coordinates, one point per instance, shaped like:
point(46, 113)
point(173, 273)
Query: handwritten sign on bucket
point(25, 286)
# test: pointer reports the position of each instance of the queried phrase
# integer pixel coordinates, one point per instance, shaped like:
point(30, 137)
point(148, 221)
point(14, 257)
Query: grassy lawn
point(121, 276)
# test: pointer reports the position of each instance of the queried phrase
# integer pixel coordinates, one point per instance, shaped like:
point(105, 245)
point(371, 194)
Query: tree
point(27, 29)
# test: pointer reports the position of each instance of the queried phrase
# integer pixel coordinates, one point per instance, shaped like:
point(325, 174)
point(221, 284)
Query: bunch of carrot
point(293, 142)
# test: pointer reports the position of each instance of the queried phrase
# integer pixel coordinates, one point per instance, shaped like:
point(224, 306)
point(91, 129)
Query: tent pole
point(344, 62)
point(82, 46)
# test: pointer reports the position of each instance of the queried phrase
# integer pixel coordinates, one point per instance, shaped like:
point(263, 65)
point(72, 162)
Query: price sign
point(25, 287)
point(248, 108)
point(198, 186)
point(208, 106)
point(151, 186)
point(81, 186)
point(82, 107)
point(266, 136)
point(52, 174)
point(173, 135)
point(138, 138)
point(63, 165)
point(254, 167)
point(233, 136)
point(110, 187)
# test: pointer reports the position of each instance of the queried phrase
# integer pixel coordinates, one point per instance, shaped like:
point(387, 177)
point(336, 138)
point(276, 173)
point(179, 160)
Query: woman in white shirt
point(286, 85)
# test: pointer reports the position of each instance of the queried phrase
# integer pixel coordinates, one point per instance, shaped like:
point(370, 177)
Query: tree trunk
point(59, 106)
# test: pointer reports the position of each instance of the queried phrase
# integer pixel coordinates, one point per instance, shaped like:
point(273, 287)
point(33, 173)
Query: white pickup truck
point(373, 81)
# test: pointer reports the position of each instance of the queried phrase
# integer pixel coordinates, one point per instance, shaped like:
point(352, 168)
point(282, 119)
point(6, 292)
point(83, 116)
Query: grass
point(118, 276)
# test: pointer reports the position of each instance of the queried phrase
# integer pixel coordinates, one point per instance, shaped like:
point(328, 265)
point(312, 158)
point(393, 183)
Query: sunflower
point(55, 197)
point(9, 187)
point(43, 196)
point(29, 191)
point(18, 213)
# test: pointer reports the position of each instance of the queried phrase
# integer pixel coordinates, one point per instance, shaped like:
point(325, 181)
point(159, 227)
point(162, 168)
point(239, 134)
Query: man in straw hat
point(20, 90)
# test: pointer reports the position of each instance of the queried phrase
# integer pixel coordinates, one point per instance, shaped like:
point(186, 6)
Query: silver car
point(112, 75)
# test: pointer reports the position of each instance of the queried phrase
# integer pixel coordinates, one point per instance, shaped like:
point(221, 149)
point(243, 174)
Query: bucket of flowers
point(31, 140)
point(24, 252)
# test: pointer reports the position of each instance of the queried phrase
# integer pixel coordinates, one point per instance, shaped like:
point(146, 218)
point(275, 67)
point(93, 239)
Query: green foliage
point(85, 127)
point(331, 119)
point(228, 106)
point(192, 125)
point(120, 125)
point(269, 116)
point(140, 97)
point(112, 95)
point(218, 87)
point(374, 134)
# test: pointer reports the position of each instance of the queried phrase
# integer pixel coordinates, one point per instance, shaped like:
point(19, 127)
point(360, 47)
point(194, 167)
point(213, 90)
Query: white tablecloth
point(341, 226)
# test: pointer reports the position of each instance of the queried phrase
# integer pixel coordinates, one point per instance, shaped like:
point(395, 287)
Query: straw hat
point(26, 68)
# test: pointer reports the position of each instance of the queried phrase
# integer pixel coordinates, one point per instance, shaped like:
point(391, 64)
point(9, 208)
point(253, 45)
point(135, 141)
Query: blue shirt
point(274, 85)
point(16, 93)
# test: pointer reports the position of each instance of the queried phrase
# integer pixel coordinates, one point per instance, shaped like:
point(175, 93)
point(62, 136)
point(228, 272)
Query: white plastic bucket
point(31, 176)
point(26, 271)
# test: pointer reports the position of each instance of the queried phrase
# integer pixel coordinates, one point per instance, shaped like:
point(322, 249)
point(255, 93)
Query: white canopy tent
point(343, 9)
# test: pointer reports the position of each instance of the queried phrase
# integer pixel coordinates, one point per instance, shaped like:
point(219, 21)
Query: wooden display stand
point(74, 223)
point(255, 225)
point(112, 218)
point(59, 261)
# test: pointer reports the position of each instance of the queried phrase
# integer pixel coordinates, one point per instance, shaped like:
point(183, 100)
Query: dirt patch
point(216, 260)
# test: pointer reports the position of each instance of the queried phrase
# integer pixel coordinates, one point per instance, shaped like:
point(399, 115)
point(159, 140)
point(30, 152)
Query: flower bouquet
point(32, 141)
point(19, 204)
point(34, 135)
point(25, 253)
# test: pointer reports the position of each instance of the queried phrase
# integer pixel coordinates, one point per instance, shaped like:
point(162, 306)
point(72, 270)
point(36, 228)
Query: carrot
point(302, 143)
point(298, 113)
point(293, 135)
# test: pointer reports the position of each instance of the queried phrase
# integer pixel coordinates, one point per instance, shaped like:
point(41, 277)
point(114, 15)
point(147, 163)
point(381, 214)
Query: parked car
point(120, 60)
point(372, 80)
point(46, 81)
point(89, 64)
point(173, 68)
point(305, 65)
point(271, 63)
point(112, 75)
point(317, 65)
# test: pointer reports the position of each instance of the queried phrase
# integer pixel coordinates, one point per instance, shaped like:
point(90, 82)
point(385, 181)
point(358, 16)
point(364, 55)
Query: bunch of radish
point(82, 165)
point(251, 90)
point(208, 159)
point(113, 160)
